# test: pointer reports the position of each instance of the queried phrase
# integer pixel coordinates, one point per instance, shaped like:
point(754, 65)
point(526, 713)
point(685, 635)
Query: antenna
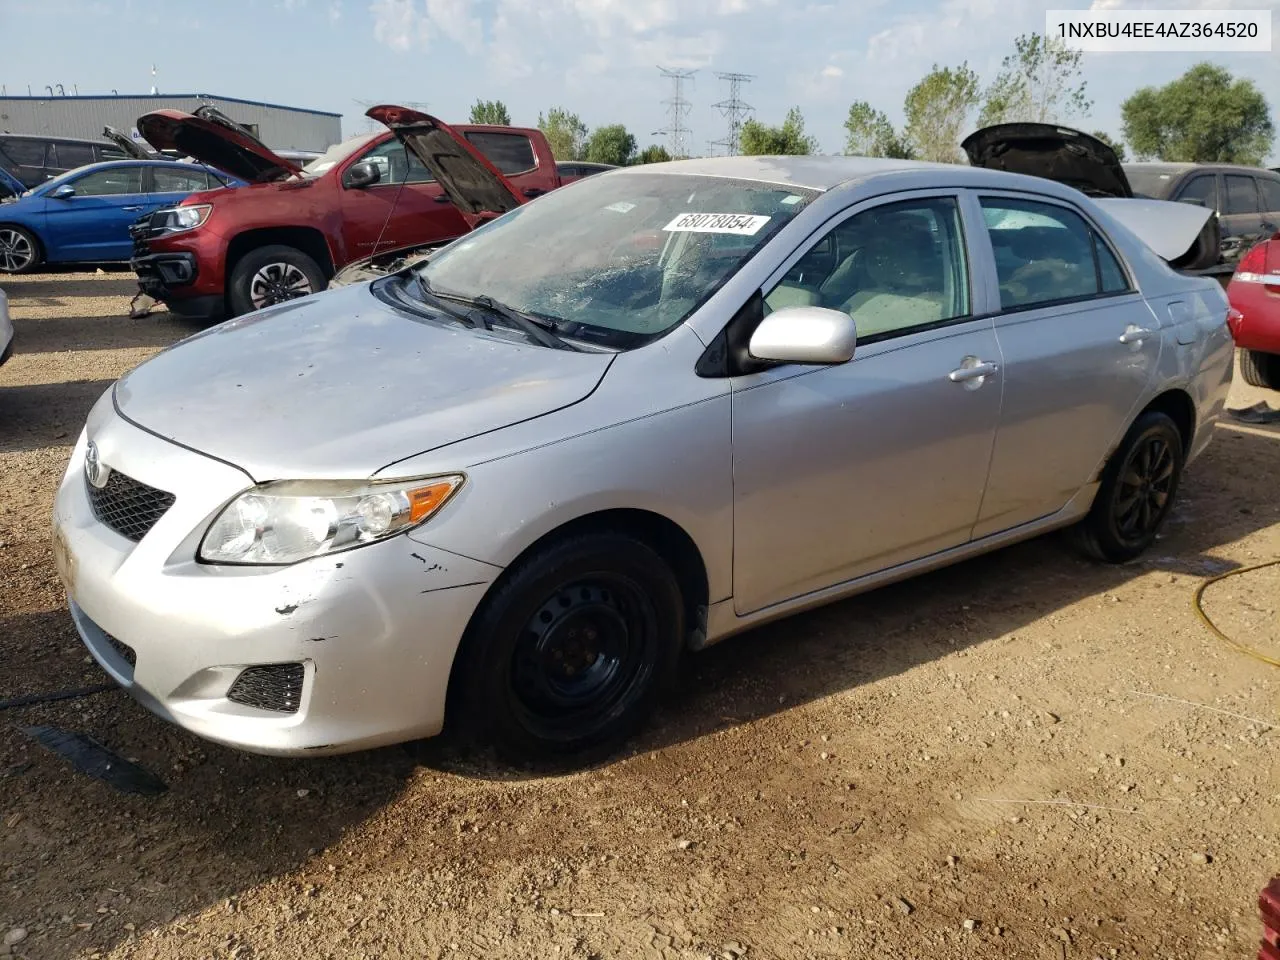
point(735, 110)
point(677, 109)
point(370, 124)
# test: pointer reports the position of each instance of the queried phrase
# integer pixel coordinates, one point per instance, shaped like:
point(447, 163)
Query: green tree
point(872, 135)
point(1204, 116)
point(490, 111)
point(611, 144)
point(1038, 83)
point(566, 133)
point(758, 140)
point(1113, 143)
point(653, 154)
point(938, 109)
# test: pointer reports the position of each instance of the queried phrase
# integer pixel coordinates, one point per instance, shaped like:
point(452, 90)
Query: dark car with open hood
point(294, 227)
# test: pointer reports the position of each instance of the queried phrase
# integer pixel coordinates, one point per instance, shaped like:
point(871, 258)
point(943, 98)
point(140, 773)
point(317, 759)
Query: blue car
point(84, 214)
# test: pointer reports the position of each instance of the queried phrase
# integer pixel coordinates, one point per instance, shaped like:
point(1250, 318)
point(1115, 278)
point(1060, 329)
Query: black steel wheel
point(566, 657)
point(1137, 491)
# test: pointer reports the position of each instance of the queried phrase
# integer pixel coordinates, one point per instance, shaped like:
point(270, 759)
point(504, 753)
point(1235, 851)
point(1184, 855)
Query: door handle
point(534, 191)
point(1135, 335)
point(443, 198)
point(132, 209)
point(973, 371)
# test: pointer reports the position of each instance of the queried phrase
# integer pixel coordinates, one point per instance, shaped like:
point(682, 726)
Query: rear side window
point(28, 153)
point(167, 180)
point(1242, 194)
point(1201, 190)
point(511, 153)
point(1270, 194)
point(1047, 254)
point(68, 156)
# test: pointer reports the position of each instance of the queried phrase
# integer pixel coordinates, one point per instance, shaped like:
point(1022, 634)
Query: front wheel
point(19, 250)
point(271, 275)
point(1260, 369)
point(565, 660)
point(1137, 491)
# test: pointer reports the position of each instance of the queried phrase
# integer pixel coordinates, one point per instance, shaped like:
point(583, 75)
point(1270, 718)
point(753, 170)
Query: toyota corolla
point(505, 491)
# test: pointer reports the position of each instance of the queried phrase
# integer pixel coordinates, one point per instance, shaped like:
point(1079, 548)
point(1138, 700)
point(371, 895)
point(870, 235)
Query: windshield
point(335, 155)
point(617, 259)
point(1154, 182)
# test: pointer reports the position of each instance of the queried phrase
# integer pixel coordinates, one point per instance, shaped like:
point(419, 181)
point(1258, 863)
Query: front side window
point(72, 155)
point(396, 164)
point(109, 183)
point(618, 260)
point(893, 268)
point(1044, 253)
point(1202, 191)
point(1242, 195)
point(511, 153)
point(170, 180)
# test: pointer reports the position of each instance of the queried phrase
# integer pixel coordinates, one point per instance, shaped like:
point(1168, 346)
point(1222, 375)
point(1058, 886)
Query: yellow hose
point(1196, 602)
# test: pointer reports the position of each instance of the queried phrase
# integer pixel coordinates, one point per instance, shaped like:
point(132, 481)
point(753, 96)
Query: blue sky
point(596, 57)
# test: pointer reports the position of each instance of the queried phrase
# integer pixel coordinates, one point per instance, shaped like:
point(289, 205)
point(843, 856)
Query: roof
point(175, 96)
point(97, 141)
point(814, 173)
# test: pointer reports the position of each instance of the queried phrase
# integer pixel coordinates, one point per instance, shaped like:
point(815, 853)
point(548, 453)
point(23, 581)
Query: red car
point(285, 235)
point(1254, 292)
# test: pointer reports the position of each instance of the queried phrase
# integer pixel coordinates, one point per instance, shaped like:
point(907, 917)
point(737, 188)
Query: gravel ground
point(977, 763)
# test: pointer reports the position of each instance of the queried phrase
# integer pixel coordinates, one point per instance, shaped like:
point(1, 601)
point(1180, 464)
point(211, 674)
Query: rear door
point(94, 223)
point(405, 207)
point(514, 155)
point(65, 156)
point(1241, 215)
point(1080, 348)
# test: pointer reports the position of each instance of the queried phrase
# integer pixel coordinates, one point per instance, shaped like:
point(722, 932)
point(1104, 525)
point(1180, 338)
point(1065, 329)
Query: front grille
point(128, 506)
point(140, 232)
point(125, 651)
point(275, 686)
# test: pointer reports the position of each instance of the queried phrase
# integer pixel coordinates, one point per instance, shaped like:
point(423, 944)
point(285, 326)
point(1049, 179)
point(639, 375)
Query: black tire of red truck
point(1260, 369)
point(272, 274)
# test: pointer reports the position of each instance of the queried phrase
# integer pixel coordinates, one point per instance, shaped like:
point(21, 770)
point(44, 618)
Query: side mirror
point(64, 192)
point(363, 174)
point(805, 335)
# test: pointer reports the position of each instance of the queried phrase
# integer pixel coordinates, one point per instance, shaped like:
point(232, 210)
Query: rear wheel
point(1260, 369)
point(273, 274)
point(1137, 491)
point(19, 250)
point(565, 660)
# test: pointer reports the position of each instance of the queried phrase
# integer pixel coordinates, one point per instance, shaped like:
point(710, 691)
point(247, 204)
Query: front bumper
point(374, 629)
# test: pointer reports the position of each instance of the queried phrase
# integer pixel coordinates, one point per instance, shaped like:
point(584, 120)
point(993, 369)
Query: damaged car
point(503, 493)
point(297, 225)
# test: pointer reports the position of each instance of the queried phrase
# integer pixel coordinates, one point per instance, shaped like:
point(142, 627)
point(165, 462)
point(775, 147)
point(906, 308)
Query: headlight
point(280, 523)
point(182, 218)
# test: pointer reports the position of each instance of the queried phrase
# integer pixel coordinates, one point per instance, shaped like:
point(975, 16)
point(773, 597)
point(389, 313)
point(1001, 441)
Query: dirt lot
point(973, 764)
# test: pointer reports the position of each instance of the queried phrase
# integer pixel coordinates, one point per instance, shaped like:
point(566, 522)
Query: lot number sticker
point(742, 224)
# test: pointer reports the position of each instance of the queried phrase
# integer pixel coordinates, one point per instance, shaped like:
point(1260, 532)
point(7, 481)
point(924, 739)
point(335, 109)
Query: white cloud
point(832, 71)
point(335, 11)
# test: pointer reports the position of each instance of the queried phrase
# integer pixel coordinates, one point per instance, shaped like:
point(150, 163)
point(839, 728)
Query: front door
point(93, 224)
point(405, 207)
point(843, 471)
point(1080, 347)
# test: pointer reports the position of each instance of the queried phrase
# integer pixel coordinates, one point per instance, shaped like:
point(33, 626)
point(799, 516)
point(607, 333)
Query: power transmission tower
point(736, 110)
point(678, 107)
point(370, 124)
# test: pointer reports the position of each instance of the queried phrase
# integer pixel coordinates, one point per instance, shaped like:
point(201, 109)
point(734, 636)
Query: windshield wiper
point(538, 330)
point(441, 302)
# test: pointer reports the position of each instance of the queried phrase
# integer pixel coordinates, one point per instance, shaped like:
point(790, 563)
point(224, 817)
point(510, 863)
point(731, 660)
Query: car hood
point(127, 144)
point(1052, 152)
point(211, 138)
point(473, 184)
point(340, 384)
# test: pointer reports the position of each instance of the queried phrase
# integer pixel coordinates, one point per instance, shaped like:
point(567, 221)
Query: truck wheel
point(19, 250)
point(271, 275)
point(1260, 369)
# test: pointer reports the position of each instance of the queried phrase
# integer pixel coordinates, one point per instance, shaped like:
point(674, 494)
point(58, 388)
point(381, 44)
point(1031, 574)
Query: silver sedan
point(506, 490)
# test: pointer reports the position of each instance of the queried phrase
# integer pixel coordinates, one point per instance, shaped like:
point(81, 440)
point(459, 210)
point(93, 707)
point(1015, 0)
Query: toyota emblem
point(95, 471)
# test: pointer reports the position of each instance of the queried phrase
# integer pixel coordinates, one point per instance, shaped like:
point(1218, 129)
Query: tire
point(270, 275)
point(19, 250)
point(1137, 492)
point(1260, 369)
point(564, 661)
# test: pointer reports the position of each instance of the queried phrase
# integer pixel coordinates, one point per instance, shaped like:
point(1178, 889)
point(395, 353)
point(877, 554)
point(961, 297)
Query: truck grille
point(274, 686)
point(141, 231)
point(128, 506)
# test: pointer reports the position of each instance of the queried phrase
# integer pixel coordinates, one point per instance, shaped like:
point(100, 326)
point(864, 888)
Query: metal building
point(279, 127)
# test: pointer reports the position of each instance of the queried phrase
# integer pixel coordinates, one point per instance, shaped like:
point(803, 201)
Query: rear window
point(1152, 181)
point(71, 155)
point(511, 153)
point(1242, 195)
point(29, 153)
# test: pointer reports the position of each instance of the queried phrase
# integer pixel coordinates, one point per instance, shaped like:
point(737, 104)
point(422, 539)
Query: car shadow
point(230, 821)
point(41, 415)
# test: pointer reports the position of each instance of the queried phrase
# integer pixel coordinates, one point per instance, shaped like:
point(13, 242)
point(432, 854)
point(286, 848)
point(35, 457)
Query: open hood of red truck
point(213, 139)
point(469, 180)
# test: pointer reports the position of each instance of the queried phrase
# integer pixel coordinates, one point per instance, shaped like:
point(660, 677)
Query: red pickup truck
point(233, 251)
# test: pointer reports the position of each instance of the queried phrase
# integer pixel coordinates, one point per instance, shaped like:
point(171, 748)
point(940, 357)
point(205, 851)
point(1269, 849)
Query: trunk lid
point(473, 184)
point(212, 138)
point(340, 384)
point(1052, 152)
